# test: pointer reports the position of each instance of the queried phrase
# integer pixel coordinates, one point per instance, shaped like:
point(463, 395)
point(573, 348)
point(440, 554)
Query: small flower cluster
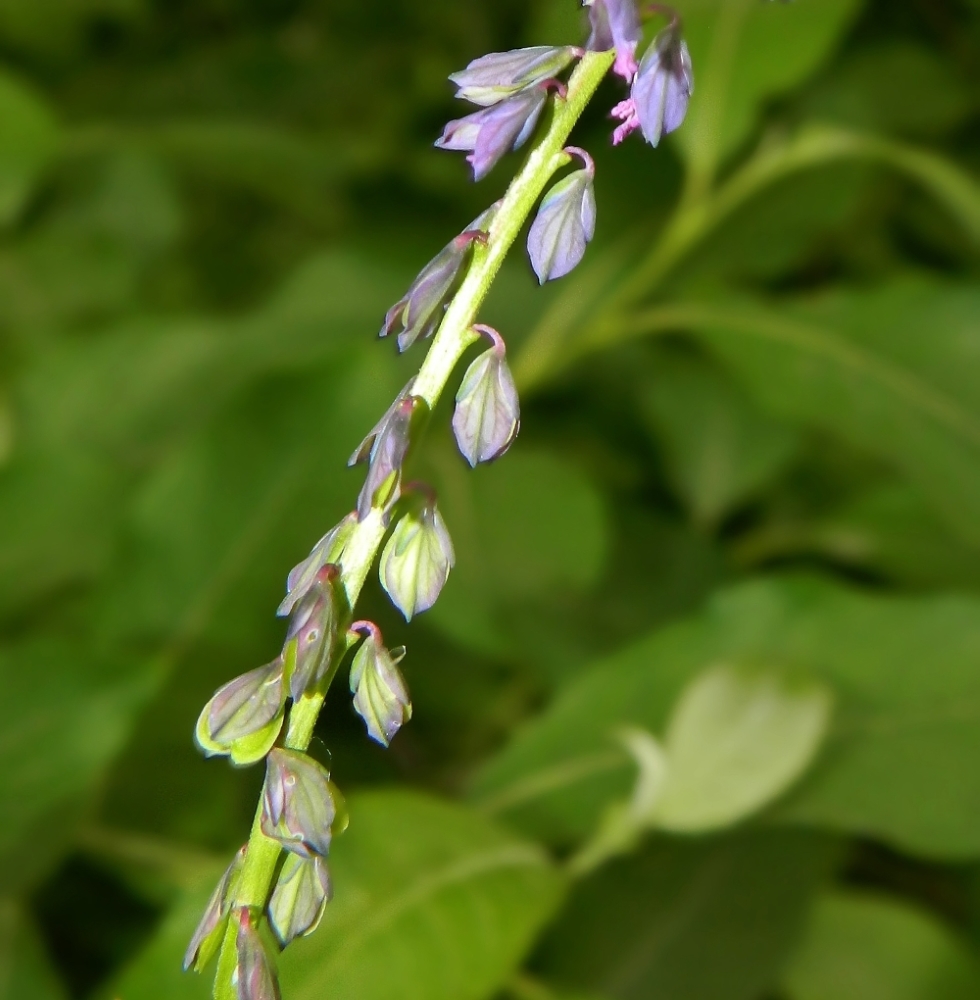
point(301, 809)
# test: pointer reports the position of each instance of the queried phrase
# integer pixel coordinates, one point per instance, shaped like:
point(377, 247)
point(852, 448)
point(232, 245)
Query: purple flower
point(300, 897)
point(298, 807)
point(661, 90)
point(494, 77)
point(490, 132)
point(488, 414)
point(380, 694)
point(565, 223)
point(254, 976)
point(615, 25)
point(415, 563)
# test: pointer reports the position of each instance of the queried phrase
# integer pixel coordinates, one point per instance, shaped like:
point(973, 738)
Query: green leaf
point(735, 742)
point(65, 714)
point(26, 972)
point(526, 529)
point(891, 371)
point(719, 449)
point(744, 53)
point(897, 726)
point(430, 901)
point(864, 947)
point(28, 141)
point(688, 919)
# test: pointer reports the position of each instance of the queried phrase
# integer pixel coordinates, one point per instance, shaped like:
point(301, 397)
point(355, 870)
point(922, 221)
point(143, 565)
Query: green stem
point(454, 337)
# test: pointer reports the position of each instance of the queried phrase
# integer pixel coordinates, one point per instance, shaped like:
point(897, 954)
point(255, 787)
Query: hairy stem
point(454, 337)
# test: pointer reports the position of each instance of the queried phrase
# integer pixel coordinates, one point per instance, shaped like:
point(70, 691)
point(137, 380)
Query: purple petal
point(663, 86)
point(210, 931)
point(387, 457)
point(564, 226)
point(254, 973)
point(328, 550)
point(298, 808)
point(246, 704)
point(616, 25)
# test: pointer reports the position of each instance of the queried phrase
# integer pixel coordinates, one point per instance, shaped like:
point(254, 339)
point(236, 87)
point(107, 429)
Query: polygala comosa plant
point(279, 883)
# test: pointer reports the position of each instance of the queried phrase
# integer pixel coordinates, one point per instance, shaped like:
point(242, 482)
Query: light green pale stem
point(454, 337)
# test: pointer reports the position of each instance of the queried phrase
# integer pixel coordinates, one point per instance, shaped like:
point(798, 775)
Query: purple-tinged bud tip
point(254, 975)
point(380, 694)
point(312, 633)
point(328, 550)
point(210, 931)
point(487, 415)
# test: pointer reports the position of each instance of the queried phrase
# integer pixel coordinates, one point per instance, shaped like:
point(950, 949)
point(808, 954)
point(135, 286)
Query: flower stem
point(454, 337)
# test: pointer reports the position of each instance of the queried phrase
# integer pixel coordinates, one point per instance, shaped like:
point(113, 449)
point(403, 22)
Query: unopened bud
point(243, 718)
point(211, 930)
point(312, 633)
point(328, 550)
point(298, 805)
point(488, 413)
point(565, 223)
point(494, 77)
point(416, 561)
point(380, 695)
point(300, 897)
point(255, 974)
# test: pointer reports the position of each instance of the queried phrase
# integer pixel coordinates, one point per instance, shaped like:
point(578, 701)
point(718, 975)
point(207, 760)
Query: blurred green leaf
point(744, 53)
point(892, 371)
point(26, 972)
point(688, 919)
point(431, 902)
point(865, 947)
point(898, 724)
point(66, 713)
point(28, 141)
point(719, 449)
point(901, 87)
point(736, 741)
point(527, 528)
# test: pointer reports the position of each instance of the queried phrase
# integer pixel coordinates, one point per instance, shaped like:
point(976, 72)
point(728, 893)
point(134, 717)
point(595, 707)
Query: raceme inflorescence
point(278, 884)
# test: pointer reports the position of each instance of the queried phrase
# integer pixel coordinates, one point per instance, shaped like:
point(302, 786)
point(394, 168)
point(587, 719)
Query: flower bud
point(300, 897)
point(211, 930)
point(386, 447)
point(490, 132)
point(380, 695)
point(243, 718)
point(565, 224)
point(615, 25)
point(328, 550)
point(663, 86)
point(312, 633)
point(254, 975)
point(494, 77)
point(420, 311)
point(417, 559)
point(298, 805)
point(488, 414)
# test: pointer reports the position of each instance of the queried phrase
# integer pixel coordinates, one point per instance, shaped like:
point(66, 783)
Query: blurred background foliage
point(751, 443)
